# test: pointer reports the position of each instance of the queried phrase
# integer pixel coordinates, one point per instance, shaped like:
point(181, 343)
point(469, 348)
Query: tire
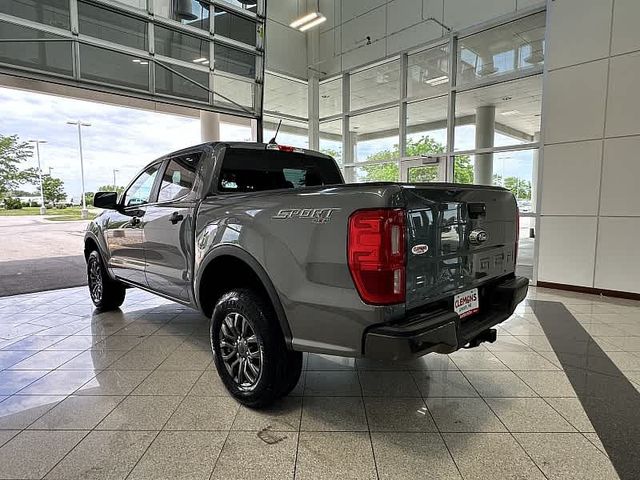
point(249, 350)
point(106, 294)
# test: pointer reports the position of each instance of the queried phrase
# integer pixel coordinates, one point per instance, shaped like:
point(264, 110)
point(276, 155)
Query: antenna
point(273, 140)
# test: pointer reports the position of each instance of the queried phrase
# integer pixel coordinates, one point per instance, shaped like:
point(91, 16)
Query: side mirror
point(107, 200)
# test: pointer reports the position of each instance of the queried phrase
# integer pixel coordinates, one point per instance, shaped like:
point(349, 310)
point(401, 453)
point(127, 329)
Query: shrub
point(12, 203)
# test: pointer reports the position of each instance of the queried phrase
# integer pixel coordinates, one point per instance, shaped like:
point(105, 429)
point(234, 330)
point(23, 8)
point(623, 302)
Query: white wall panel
point(571, 178)
point(626, 34)
point(620, 178)
point(522, 4)
point(372, 24)
point(579, 31)
point(618, 262)
point(286, 50)
point(623, 103)
point(354, 8)
point(402, 14)
point(459, 14)
point(410, 37)
point(573, 102)
point(567, 250)
point(332, 9)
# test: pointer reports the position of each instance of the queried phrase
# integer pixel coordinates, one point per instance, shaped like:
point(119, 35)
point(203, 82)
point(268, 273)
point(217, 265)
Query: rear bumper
point(443, 331)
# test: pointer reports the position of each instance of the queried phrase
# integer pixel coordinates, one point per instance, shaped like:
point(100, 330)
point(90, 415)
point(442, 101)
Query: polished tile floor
point(133, 394)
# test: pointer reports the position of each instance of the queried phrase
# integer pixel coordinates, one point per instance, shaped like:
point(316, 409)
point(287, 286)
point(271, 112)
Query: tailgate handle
point(477, 209)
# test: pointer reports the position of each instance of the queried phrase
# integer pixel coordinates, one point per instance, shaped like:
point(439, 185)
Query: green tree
point(53, 189)
point(388, 172)
point(110, 188)
point(88, 198)
point(520, 187)
point(13, 152)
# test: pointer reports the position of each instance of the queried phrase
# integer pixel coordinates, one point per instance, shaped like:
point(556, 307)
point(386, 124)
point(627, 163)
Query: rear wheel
point(249, 349)
point(106, 294)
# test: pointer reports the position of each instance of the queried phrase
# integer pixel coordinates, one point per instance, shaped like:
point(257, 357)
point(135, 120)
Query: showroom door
point(421, 170)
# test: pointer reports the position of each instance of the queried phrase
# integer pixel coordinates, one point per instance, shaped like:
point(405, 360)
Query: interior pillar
point(485, 130)
point(209, 126)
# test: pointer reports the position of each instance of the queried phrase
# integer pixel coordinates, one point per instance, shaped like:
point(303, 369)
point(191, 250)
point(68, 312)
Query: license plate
point(466, 303)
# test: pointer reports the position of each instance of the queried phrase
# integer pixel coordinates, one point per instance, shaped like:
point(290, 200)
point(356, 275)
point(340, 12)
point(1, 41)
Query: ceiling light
point(144, 63)
point(320, 19)
point(438, 80)
point(309, 20)
point(509, 113)
point(136, 60)
point(200, 60)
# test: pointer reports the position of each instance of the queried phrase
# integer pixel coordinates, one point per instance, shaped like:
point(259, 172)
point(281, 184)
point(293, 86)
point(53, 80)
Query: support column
point(313, 91)
point(209, 126)
point(534, 174)
point(485, 130)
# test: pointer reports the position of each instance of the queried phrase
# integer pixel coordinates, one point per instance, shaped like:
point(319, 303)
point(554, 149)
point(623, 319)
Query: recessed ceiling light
point(437, 80)
point(200, 60)
point(509, 113)
point(309, 20)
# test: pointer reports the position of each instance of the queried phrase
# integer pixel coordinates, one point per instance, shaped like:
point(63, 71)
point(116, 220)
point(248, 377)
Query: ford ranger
point(284, 257)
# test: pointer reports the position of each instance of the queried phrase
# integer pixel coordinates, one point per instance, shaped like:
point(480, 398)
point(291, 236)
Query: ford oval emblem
point(420, 249)
point(478, 237)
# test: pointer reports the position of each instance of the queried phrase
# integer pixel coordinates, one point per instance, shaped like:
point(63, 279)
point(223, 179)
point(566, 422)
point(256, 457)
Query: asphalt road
point(37, 254)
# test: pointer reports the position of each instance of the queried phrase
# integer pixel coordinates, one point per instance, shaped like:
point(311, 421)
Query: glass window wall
point(375, 135)
point(331, 139)
point(54, 13)
point(192, 13)
point(234, 26)
point(499, 115)
point(168, 82)
point(517, 46)
point(293, 133)
point(113, 68)
point(426, 127)
point(181, 46)
point(235, 61)
point(428, 72)
point(48, 52)
point(287, 96)
point(231, 92)
point(375, 85)
point(112, 26)
point(331, 97)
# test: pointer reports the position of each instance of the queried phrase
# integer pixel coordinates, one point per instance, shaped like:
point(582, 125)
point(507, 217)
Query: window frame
point(164, 168)
point(153, 194)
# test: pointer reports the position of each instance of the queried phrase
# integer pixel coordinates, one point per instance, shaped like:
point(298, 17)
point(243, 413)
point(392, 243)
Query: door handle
point(135, 221)
point(176, 217)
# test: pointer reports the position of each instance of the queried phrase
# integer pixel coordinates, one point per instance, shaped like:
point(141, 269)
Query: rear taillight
point(515, 252)
point(376, 255)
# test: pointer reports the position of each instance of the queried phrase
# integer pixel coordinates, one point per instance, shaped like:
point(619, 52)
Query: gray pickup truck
point(284, 257)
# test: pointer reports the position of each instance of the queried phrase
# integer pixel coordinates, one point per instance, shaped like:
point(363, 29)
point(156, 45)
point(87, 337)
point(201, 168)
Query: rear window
point(250, 170)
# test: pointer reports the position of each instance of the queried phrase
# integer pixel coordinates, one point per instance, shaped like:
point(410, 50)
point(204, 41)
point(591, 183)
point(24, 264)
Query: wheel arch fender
point(239, 254)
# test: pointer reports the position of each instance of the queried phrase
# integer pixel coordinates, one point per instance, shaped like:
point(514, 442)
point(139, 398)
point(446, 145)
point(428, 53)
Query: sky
point(127, 139)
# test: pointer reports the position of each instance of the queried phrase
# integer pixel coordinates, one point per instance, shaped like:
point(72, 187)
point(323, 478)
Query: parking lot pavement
point(37, 254)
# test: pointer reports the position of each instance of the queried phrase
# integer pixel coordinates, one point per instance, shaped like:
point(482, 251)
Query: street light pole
point(115, 170)
point(43, 209)
point(83, 213)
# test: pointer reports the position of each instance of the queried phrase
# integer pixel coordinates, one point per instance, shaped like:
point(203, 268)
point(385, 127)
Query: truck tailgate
point(458, 238)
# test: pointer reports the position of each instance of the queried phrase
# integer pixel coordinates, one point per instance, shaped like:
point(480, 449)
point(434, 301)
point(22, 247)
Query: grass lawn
point(53, 214)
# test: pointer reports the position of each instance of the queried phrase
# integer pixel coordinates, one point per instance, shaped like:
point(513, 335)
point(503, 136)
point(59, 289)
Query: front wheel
point(249, 349)
point(106, 294)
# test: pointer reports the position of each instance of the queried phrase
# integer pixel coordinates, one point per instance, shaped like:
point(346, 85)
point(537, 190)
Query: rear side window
point(251, 170)
point(178, 178)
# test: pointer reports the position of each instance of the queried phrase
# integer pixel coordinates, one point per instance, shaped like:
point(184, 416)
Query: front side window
point(179, 177)
point(140, 192)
